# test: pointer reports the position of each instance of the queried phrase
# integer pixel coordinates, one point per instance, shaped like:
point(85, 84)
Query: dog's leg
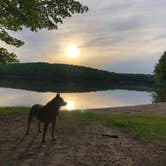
point(29, 122)
point(39, 127)
point(44, 132)
point(53, 129)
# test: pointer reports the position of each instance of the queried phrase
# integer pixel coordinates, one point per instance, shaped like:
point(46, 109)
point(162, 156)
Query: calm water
point(99, 99)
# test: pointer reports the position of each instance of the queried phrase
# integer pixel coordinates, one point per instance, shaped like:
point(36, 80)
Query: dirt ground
point(76, 145)
point(155, 108)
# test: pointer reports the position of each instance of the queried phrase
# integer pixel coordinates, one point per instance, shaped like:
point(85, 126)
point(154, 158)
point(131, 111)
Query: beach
point(155, 108)
point(79, 141)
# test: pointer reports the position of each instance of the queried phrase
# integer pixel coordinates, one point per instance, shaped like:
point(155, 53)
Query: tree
point(160, 70)
point(159, 95)
point(6, 57)
point(35, 15)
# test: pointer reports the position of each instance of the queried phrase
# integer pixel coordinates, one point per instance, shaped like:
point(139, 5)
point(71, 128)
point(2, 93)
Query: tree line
point(72, 74)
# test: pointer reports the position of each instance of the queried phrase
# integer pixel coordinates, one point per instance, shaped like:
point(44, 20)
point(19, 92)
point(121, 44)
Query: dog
point(46, 114)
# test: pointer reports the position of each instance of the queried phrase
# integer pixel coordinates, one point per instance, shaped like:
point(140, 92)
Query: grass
point(151, 128)
point(9, 110)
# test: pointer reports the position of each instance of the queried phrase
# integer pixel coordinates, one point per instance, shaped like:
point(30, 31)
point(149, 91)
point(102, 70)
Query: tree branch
point(4, 36)
point(6, 57)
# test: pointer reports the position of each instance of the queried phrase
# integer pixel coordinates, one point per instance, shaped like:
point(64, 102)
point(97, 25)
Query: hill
point(70, 76)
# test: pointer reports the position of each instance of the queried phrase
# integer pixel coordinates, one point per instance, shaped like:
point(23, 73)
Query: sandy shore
point(78, 144)
point(155, 108)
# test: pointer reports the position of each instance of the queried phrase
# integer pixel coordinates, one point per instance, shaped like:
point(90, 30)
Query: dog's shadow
point(29, 150)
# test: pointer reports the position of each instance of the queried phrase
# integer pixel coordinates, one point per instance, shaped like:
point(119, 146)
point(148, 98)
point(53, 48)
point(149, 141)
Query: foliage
point(160, 70)
point(73, 78)
point(35, 15)
point(159, 95)
point(6, 57)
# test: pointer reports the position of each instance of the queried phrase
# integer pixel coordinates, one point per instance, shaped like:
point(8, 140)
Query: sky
point(125, 36)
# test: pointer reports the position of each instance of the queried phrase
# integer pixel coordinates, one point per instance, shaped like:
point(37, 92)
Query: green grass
point(8, 110)
point(146, 127)
point(151, 128)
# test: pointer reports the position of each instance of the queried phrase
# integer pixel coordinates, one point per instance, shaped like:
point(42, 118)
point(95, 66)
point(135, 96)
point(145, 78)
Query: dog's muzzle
point(64, 103)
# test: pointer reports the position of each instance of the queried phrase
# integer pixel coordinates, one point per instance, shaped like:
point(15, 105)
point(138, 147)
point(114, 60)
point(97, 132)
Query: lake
point(83, 100)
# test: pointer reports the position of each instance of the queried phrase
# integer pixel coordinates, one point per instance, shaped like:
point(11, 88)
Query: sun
point(72, 51)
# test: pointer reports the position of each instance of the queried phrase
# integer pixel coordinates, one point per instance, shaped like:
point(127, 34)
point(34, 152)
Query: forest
point(44, 76)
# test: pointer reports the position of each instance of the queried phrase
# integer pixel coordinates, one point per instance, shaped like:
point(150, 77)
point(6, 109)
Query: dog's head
point(60, 100)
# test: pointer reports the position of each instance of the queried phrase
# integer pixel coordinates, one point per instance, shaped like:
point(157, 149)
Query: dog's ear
point(58, 95)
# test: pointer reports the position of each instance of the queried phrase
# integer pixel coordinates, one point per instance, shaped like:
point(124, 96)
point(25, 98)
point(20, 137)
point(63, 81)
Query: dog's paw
point(53, 139)
point(43, 142)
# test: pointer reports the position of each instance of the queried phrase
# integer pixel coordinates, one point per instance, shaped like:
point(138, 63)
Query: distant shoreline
point(78, 75)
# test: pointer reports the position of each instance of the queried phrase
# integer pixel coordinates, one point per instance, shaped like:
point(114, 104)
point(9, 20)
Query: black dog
point(46, 114)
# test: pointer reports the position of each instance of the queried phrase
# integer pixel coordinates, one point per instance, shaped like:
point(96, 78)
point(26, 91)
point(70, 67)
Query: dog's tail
point(30, 117)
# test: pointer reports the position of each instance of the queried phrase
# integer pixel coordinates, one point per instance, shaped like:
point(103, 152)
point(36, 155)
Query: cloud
point(114, 35)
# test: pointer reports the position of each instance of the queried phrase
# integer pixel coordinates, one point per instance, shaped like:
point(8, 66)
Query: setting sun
point(72, 51)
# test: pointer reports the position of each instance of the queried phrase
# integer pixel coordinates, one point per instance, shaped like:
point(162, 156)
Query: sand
point(155, 108)
point(78, 145)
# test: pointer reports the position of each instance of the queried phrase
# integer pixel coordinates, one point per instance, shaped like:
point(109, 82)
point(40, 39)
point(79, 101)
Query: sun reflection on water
point(70, 105)
point(75, 101)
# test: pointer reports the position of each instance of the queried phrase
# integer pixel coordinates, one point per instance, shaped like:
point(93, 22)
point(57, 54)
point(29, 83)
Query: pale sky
point(115, 35)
